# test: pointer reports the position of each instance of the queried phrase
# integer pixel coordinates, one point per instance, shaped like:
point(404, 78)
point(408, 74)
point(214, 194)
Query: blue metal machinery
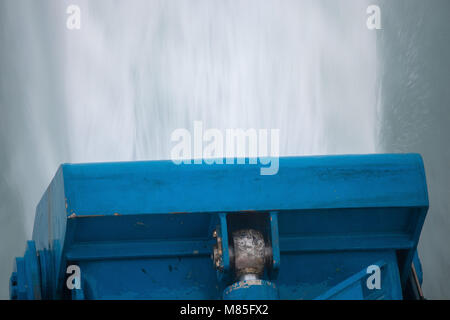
point(322, 228)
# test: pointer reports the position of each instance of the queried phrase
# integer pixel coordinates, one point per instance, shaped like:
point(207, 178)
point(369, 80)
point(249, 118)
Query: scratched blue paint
point(143, 230)
point(251, 290)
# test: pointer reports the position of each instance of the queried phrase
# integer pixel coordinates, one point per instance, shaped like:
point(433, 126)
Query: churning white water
point(137, 70)
point(135, 73)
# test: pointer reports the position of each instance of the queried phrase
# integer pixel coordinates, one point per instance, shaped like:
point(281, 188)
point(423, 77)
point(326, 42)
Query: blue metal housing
point(143, 230)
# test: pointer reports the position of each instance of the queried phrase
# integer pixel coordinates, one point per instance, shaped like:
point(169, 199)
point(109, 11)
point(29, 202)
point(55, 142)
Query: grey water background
point(137, 70)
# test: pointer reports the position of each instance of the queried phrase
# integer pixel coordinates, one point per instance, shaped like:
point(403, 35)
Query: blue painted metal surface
point(143, 230)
